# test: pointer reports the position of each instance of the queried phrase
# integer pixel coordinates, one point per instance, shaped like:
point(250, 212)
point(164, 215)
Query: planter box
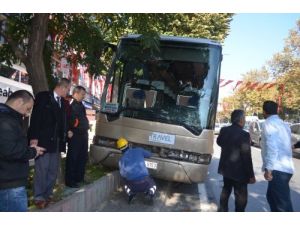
point(89, 197)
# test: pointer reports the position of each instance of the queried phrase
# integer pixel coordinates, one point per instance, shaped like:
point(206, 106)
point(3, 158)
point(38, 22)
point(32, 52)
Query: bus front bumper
point(162, 168)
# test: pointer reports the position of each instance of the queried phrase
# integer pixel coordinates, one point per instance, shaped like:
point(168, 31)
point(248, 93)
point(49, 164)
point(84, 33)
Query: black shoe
point(130, 197)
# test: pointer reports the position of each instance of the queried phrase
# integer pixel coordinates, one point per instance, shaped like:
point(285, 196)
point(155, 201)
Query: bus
point(8, 86)
point(164, 100)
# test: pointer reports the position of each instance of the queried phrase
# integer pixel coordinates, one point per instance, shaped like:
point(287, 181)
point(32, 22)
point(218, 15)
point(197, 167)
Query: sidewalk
point(89, 197)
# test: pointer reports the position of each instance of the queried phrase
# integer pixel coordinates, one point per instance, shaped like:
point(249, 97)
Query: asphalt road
point(170, 197)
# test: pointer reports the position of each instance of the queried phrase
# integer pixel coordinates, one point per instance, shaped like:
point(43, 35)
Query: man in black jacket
point(235, 162)
point(14, 152)
point(48, 129)
point(77, 154)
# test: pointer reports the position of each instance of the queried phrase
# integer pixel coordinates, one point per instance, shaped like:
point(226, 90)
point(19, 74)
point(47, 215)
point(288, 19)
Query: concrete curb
point(89, 197)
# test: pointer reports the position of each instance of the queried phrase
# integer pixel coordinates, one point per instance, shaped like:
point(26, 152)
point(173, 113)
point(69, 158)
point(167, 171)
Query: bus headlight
point(204, 158)
point(103, 141)
point(189, 156)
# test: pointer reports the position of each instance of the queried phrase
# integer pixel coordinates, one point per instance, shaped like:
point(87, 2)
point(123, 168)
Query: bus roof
point(178, 39)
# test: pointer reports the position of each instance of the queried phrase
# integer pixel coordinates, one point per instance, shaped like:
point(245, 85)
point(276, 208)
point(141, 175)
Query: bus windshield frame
point(176, 84)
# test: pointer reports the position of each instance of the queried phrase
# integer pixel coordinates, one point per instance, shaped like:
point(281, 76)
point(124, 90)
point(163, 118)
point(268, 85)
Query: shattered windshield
point(177, 85)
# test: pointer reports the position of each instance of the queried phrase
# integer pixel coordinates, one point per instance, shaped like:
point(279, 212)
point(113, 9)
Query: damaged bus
point(163, 100)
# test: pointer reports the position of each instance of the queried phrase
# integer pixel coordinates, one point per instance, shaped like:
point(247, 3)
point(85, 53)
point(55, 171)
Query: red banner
point(226, 83)
point(237, 84)
point(247, 85)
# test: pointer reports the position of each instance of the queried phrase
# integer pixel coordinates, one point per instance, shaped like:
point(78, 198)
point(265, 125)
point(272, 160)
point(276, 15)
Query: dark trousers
point(77, 156)
point(240, 195)
point(145, 185)
point(46, 169)
point(278, 193)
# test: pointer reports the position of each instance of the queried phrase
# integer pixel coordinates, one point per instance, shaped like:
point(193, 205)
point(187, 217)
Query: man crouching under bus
point(134, 171)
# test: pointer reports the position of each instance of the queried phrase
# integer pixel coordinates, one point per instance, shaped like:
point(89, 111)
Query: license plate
point(162, 138)
point(151, 165)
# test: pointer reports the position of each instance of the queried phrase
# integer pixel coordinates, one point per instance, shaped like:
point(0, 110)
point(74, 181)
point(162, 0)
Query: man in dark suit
point(235, 162)
point(77, 155)
point(48, 127)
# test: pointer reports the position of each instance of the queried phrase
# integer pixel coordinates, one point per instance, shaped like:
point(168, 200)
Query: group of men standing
point(236, 161)
point(54, 122)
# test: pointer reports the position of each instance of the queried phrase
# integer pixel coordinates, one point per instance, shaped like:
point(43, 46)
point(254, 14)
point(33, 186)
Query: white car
point(217, 128)
point(295, 129)
point(255, 132)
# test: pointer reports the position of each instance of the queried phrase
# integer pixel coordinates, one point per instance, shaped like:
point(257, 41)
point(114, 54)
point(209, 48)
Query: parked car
point(217, 128)
point(295, 129)
point(248, 121)
point(246, 126)
point(255, 128)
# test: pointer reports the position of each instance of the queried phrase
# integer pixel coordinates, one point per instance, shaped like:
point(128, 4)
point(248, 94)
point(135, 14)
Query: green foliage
point(214, 26)
point(285, 68)
point(17, 27)
point(88, 35)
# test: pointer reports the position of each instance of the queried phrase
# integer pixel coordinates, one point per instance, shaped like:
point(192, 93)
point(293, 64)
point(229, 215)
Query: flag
point(109, 92)
point(226, 83)
point(97, 88)
point(65, 68)
point(93, 85)
point(74, 70)
point(270, 85)
point(102, 82)
point(245, 87)
point(81, 75)
point(253, 85)
point(237, 84)
point(259, 88)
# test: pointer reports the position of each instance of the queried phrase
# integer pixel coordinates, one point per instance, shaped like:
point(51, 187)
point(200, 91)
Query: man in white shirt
point(277, 159)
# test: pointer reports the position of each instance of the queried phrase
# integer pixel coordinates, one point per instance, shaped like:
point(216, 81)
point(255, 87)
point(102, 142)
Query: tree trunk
point(34, 62)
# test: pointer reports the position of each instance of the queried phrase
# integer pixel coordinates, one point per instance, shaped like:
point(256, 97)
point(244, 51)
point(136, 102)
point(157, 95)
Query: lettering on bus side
point(162, 138)
point(5, 92)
